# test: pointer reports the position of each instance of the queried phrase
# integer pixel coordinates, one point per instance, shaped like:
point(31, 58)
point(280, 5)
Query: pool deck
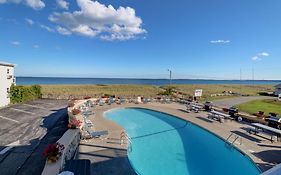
point(109, 157)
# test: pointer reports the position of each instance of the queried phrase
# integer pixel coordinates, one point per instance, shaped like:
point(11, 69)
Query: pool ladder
point(125, 139)
point(236, 138)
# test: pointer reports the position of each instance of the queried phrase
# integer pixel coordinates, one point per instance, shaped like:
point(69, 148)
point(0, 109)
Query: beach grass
point(64, 91)
point(266, 106)
point(212, 92)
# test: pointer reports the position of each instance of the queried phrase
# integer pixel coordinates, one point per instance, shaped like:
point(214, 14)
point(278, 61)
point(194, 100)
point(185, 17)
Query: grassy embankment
point(64, 91)
point(210, 92)
point(79, 91)
point(261, 105)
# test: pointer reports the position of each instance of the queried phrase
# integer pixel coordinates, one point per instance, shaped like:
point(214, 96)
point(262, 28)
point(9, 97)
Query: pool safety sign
point(198, 93)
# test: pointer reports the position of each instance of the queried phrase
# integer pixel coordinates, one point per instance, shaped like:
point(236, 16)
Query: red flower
point(53, 150)
point(73, 124)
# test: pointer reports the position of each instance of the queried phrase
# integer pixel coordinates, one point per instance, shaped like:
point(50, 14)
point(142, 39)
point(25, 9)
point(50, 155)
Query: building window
point(8, 71)
point(8, 90)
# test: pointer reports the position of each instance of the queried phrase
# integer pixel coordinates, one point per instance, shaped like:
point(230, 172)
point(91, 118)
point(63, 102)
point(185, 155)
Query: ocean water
point(163, 144)
point(156, 82)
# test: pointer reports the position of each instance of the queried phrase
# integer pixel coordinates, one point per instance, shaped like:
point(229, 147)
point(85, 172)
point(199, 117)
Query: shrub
point(169, 90)
point(53, 151)
point(20, 94)
point(73, 124)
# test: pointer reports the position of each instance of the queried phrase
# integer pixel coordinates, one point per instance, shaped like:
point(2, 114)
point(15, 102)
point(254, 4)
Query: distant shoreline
point(196, 79)
point(131, 81)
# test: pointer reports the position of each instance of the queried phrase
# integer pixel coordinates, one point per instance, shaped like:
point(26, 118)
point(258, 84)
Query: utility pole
point(253, 75)
point(240, 80)
point(170, 76)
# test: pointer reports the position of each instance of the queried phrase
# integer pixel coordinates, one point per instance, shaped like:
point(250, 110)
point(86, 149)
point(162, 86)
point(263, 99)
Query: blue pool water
point(163, 144)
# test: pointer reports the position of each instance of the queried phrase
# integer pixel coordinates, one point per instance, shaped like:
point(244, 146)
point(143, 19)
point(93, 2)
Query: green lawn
point(261, 105)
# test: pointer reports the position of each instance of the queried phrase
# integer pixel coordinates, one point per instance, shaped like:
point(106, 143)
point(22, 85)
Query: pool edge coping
point(186, 120)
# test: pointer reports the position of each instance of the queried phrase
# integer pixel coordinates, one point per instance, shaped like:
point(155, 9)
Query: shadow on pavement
point(27, 159)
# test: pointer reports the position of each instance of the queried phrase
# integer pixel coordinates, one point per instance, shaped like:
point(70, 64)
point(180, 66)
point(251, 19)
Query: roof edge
point(7, 64)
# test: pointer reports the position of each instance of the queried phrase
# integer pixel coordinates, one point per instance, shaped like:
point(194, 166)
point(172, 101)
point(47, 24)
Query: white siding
point(6, 80)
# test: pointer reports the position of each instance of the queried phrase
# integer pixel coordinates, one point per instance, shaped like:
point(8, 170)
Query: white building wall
point(6, 80)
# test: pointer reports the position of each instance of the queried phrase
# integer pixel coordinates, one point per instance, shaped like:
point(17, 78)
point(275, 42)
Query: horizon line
point(150, 78)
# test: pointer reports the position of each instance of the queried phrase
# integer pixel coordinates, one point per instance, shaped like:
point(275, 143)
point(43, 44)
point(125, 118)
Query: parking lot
point(23, 122)
point(26, 129)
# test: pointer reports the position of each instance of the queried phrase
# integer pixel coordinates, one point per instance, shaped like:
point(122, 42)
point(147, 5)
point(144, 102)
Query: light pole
point(170, 76)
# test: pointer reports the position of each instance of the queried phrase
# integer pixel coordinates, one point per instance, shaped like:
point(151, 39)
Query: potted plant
point(74, 124)
point(53, 152)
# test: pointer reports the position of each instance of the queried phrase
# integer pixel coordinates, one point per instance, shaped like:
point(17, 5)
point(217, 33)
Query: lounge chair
point(110, 101)
point(95, 134)
point(99, 133)
point(122, 100)
point(101, 102)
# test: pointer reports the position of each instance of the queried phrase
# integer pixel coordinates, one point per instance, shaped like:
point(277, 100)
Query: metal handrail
point(236, 137)
point(124, 136)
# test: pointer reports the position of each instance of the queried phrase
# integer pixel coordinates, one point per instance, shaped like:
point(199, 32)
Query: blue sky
point(129, 38)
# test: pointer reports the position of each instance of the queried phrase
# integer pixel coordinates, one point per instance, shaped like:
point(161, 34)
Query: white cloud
point(97, 20)
point(63, 31)
point(85, 30)
point(260, 56)
point(265, 54)
point(47, 28)
point(15, 43)
point(255, 58)
point(35, 46)
point(220, 41)
point(35, 4)
point(29, 21)
point(63, 4)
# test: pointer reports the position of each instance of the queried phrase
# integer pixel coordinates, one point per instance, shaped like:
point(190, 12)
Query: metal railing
point(125, 139)
point(236, 138)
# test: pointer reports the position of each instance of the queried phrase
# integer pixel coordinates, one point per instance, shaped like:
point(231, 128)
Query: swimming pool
point(163, 144)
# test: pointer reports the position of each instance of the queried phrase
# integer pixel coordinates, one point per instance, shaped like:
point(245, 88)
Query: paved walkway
point(109, 157)
point(228, 102)
point(25, 130)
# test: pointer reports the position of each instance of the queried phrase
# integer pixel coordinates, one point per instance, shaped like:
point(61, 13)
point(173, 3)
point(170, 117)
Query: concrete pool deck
point(109, 157)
